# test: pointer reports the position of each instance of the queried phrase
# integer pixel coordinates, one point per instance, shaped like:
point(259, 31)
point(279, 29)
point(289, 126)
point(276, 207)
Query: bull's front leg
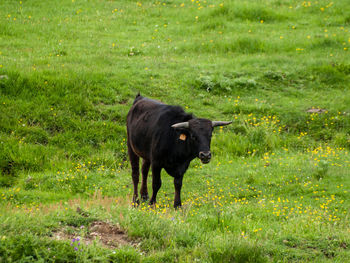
point(156, 183)
point(178, 185)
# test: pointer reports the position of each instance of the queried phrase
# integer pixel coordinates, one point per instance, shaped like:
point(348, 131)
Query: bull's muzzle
point(205, 156)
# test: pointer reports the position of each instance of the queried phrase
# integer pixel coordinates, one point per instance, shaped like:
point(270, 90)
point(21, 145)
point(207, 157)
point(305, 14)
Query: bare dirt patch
point(313, 110)
point(108, 235)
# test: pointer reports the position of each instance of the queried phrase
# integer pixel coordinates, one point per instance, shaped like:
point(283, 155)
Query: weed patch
point(252, 12)
point(218, 84)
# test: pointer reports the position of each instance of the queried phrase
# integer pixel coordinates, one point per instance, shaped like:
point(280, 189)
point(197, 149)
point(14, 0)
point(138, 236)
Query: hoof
point(144, 198)
point(177, 206)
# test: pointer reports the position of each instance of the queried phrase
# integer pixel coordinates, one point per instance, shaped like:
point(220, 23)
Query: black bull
point(165, 136)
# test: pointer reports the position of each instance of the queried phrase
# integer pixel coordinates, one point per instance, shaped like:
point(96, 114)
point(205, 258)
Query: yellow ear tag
point(182, 137)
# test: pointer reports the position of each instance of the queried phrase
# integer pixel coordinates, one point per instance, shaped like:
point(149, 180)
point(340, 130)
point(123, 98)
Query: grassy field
point(277, 188)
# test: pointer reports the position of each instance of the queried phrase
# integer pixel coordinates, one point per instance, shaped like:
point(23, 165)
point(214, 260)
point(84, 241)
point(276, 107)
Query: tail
point(138, 97)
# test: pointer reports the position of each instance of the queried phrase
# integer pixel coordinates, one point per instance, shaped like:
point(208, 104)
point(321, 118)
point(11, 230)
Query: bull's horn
point(180, 125)
point(220, 123)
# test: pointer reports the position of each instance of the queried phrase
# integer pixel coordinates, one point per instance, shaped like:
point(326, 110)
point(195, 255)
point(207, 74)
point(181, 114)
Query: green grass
point(278, 185)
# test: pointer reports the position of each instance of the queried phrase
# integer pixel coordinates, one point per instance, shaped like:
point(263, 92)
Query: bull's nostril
point(206, 155)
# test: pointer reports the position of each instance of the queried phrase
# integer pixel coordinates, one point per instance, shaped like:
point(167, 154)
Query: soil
point(110, 236)
point(313, 110)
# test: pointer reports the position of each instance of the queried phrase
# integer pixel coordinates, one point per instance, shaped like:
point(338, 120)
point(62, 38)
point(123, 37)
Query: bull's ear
point(181, 125)
point(220, 123)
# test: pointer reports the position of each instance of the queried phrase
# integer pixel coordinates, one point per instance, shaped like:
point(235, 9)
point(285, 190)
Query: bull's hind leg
point(144, 190)
point(156, 183)
point(135, 173)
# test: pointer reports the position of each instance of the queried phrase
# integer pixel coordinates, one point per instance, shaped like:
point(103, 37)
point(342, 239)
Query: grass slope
point(277, 189)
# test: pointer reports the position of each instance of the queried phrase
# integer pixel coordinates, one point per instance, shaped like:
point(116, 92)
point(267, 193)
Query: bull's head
point(200, 132)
